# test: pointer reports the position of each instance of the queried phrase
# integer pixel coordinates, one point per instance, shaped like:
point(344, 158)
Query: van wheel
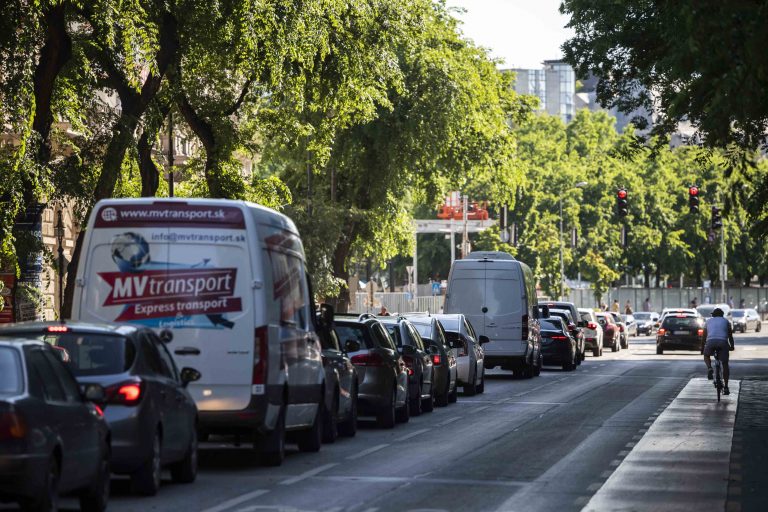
point(330, 421)
point(146, 481)
point(311, 439)
point(185, 470)
point(271, 447)
point(386, 416)
point(348, 427)
point(95, 497)
point(48, 497)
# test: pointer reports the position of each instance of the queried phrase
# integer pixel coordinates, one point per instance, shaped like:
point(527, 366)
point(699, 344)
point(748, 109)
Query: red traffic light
point(621, 194)
point(693, 191)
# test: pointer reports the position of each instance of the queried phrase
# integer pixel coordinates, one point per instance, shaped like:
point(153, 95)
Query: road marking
point(236, 501)
point(615, 463)
point(449, 420)
point(412, 434)
point(421, 480)
point(594, 487)
point(623, 453)
point(630, 445)
point(606, 474)
point(368, 451)
point(536, 403)
point(308, 474)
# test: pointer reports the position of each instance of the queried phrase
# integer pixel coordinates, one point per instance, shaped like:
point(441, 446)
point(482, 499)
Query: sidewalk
point(682, 462)
point(748, 484)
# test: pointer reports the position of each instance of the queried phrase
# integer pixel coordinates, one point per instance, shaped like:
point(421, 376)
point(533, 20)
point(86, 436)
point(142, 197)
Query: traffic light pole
point(723, 270)
point(562, 263)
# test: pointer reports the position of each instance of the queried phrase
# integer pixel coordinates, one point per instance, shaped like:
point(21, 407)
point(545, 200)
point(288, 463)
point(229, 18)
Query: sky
point(522, 32)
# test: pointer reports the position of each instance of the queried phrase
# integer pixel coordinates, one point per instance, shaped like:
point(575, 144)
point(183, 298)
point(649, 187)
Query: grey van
point(497, 294)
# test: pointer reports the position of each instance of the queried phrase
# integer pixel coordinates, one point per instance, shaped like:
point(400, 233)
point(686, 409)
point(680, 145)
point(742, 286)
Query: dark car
point(558, 346)
point(340, 416)
point(381, 373)
point(576, 332)
point(681, 332)
point(151, 416)
point(443, 358)
point(581, 324)
point(611, 333)
point(417, 359)
point(53, 439)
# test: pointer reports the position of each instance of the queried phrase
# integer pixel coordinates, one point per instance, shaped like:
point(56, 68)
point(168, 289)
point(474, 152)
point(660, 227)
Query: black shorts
point(721, 346)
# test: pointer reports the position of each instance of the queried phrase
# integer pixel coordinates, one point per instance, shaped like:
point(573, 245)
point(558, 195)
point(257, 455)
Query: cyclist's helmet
point(717, 312)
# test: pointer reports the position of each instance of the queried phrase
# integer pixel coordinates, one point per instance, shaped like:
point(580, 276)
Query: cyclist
point(720, 338)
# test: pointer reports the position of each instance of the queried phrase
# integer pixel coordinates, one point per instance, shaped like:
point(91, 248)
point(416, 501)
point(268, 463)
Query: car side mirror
point(327, 314)
point(94, 393)
point(351, 346)
point(189, 375)
point(484, 339)
point(408, 350)
point(166, 335)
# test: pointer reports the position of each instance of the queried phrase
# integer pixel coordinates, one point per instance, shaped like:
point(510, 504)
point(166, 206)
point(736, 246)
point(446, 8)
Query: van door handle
point(187, 351)
point(491, 324)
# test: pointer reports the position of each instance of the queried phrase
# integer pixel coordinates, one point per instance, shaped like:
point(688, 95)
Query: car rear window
point(425, 330)
point(94, 354)
point(548, 325)
point(354, 332)
point(737, 314)
point(674, 322)
point(642, 316)
point(394, 332)
point(10, 372)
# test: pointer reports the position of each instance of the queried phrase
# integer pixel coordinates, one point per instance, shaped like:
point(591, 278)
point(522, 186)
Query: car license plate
point(680, 333)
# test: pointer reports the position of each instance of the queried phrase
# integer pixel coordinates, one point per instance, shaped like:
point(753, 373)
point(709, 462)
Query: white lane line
point(368, 451)
point(537, 403)
point(308, 474)
point(623, 453)
point(595, 486)
point(606, 474)
point(449, 420)
point(615, 463)
point(423, 480)
point(630, 445)
point(412, 434)
point(236, 501)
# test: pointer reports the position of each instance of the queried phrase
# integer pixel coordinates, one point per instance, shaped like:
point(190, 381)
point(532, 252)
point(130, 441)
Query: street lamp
point(580, 184)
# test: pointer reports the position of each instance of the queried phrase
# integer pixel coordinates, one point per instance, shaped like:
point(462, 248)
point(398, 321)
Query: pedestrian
point(603, 306)
point(742, 303)
point(628, 309)
point(730, 302)
point(615, 306)
point(647, 304)
point(694, 303)
point(384, 311)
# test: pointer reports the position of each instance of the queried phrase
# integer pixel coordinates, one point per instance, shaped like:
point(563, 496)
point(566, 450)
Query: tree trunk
point(340, 270)
point(150, 174)
point(647, 277)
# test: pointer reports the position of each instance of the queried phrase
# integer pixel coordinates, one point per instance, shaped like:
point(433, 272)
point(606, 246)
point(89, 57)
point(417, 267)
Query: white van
point(228, 279)
point(497, 294)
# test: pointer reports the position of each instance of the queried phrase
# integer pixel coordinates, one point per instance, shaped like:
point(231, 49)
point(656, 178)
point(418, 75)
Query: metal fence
point(671, 297)
point(397, 303)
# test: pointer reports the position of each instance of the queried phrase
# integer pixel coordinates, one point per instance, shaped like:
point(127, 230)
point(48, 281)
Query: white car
point(593, 332)
point(677, 311)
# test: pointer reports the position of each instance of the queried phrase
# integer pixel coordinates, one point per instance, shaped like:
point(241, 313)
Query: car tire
point(331, 421)
point(481, 386)
point(759, 326)
point(428, 404)
point(95, 497)
point(271, 447)
point(348, 427)
point(596, 352)
point(537, 368)
point(146, 481)
point(386, 416)
point(403, 414)
point(441, 400)
point(470, 389)
point(453, 397)
point(311, 440)
point(48, 497)
point(659, 350)
point(615, 346)
point(415, 402)
point(601, 352)
point(185, 470)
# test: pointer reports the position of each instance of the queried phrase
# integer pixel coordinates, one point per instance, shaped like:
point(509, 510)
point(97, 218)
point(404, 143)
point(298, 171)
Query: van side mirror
point(166, 335)
point(351, 346)
point(188, 375)
point(484, 339)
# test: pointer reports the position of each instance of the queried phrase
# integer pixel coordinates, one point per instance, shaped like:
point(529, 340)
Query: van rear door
point(466, 292)
point(505, 309)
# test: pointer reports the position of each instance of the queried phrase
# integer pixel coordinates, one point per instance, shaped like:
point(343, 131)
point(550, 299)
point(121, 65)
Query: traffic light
point(622, 205)
point(717, 218)
point(693, 199)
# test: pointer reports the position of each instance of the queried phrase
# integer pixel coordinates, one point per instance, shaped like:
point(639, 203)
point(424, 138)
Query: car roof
point(78, 327)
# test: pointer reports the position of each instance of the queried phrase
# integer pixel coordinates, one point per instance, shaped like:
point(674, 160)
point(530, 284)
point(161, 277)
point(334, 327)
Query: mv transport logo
point(109, 214)
point(149, 291)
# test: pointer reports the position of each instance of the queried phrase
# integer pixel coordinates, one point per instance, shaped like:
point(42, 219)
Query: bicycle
point(718, 377)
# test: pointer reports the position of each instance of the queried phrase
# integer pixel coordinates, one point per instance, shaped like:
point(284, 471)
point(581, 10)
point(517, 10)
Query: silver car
point(744, 319)
point(468, 349)
point(593, 332)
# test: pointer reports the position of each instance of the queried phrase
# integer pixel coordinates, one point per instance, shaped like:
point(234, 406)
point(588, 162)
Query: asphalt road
point(548, 443)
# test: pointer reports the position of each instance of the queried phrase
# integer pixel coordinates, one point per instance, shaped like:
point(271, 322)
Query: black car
point(558, 346)
point(151, 416)
point(381, 373)
point(576, 332)
point(417, 359)
point(580, 324)
point(340, 416)
point(443, 359)
point(681, 332)
point(53, 439)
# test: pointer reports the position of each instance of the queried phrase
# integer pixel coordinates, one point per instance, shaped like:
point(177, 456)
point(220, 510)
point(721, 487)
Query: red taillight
point(621, 328)
point(12, 426)
point(559, 338)
point(410, 371)
point(700, 332)
point(58, 328)
point(591, 325)
point(662, 331)
point(436, 359)
point(260, 350)
point(125, 393)
point(370, 359)
point(99, 410)
point(524, 331)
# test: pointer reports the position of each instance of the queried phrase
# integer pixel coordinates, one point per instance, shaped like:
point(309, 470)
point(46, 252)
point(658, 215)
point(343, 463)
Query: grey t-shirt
point(717, 328)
